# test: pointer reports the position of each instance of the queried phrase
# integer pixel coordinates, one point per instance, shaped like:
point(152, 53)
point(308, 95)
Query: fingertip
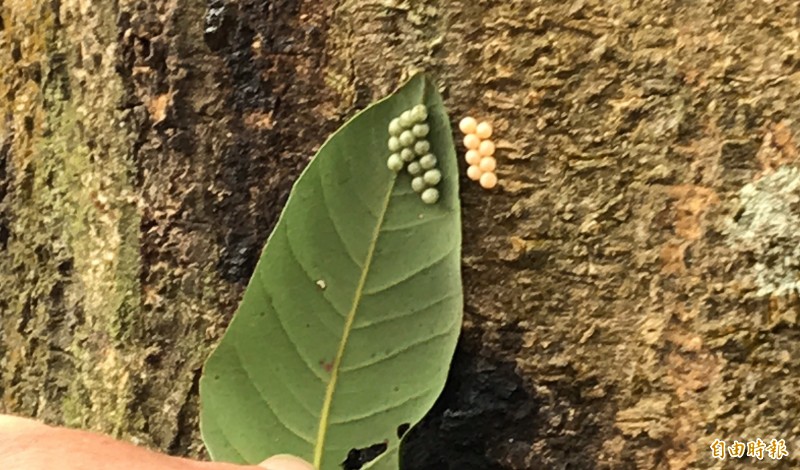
point(285, 462)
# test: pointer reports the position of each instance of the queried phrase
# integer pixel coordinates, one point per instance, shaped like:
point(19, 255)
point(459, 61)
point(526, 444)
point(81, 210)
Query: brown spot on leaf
point(328, 366)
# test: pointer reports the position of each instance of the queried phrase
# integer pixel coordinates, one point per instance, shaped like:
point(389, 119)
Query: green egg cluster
point(411, 150)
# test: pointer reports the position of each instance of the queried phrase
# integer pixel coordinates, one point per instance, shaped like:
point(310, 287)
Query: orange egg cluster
point(480, 151)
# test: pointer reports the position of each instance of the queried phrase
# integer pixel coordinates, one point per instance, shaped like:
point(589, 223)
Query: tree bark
point(631, 286)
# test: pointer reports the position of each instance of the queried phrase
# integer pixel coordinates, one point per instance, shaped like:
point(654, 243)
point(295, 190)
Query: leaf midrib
point(348, 326)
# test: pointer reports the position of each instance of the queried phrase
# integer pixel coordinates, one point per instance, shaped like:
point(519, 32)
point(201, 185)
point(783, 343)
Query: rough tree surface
point(631, 285)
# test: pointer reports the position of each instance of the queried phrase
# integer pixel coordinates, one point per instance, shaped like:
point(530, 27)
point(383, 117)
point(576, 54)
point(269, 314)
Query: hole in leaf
point(402, 430)
point(357, 458)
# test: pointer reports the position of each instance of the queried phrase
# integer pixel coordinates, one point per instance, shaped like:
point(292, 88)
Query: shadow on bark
point(484, 411)
point(488, 418)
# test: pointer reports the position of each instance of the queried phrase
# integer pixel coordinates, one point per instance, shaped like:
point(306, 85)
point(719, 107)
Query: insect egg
point(473, 157)
point(418, 184)
point(430, 196)
point(395, 128)
point(422, 147)
point(468, 125)
point(414, 168)
point(487, 164)
point(420, 130)
point(394, 144)
point(486, 148)
point(472, 141)
point(419, 112)
point(488, 180)
point(406, 119)
point(474, 173)
point(395, 163)
point(484, 130)
point(428, 161)
point(432, 177)
point(406, 139)
point(407, 155)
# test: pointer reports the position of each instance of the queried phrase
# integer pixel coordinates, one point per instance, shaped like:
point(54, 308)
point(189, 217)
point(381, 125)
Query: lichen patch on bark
point(767, 227)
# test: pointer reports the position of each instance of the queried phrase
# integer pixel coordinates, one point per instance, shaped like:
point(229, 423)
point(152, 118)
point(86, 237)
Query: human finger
point(285, 462)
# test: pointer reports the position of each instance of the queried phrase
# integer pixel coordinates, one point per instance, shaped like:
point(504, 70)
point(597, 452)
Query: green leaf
point(348, 325)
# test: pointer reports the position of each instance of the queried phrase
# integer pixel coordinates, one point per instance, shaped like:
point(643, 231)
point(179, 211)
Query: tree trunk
point(631, 285)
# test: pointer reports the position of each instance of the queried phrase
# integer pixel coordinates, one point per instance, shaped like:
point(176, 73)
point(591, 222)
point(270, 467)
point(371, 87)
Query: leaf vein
point(358, 194)
point(313, 281)
point(331, 388)
point(406, 314)
point(263, 285)
point(396, 353)
point(394, 406)
point(335, 226)
point(411, 225)
point(266, 401)
point(409, 276)
point(227, 439)
point(303, 359)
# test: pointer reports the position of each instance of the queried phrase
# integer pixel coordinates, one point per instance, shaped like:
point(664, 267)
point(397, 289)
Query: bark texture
point(631, 286)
